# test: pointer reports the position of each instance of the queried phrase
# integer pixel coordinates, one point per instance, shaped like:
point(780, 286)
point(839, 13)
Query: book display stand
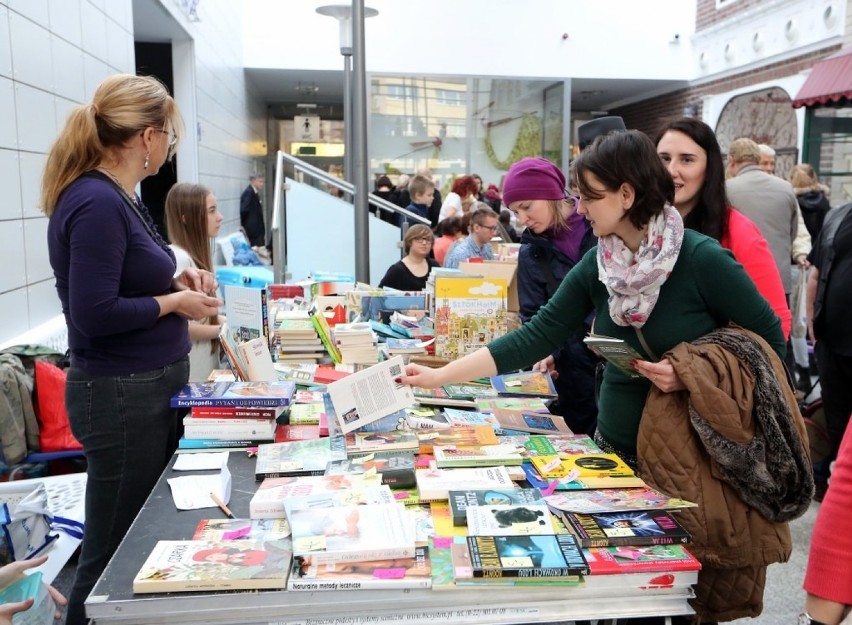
point(112, 600)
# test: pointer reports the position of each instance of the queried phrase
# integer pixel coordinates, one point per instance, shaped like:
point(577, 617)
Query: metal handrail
point(279, 206)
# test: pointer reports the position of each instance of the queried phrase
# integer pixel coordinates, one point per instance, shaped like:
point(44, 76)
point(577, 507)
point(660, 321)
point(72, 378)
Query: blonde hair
point(744, 150)
point(123, 105)
point(804, 177)
point(186, 221)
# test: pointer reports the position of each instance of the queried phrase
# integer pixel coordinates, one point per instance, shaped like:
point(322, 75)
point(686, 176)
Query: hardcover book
point(511, 520)
point(461, 500)
point(219, 443)
point(237, 394)
point(307, 457)
point(230, 429)
point(435, 484)
point(352, 533)
point(268, 501)
point(198, 565)
point(236, 412)
point(447, 456)
point(469, 314)
point(287, 433)
point(525, 383)
point(635, 528)
point(648, 559)
point(396, 574)
point(526, 556)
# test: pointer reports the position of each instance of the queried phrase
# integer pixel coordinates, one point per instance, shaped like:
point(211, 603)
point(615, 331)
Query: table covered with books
point(113, 600)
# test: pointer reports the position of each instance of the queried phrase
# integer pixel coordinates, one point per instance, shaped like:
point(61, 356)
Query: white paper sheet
point(201, 461)
point(192, 492)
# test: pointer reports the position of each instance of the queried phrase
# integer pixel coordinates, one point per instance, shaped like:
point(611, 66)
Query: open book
point(616, 351)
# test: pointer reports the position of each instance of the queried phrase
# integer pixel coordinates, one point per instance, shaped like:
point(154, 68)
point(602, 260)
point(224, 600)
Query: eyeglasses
point(491, 228)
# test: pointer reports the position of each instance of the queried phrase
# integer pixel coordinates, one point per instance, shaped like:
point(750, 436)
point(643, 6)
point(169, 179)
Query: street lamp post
point(355, 120)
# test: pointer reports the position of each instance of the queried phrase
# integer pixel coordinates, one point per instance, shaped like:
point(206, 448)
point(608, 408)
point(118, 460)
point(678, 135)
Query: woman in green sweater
point(649, 280)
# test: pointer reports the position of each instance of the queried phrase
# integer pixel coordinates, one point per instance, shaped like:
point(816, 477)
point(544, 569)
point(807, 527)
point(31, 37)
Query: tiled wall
point(53, 53)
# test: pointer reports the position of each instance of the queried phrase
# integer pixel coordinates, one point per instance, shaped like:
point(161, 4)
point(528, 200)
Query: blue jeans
point(128, 435)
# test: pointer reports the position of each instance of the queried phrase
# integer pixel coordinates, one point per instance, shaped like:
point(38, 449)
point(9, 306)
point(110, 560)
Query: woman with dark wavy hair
point(690, 151)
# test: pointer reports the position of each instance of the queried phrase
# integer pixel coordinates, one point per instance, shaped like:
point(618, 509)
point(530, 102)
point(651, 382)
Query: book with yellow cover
point(585, 465)
point(459, 436)
point(469, 314)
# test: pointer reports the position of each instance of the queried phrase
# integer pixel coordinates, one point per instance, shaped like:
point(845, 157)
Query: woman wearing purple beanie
point(555, 239)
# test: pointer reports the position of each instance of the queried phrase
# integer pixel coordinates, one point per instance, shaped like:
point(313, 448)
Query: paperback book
point(463, 571)
point(447, 456)
point(526, 556)
point(525, 383)
point(587, 465)
point(363, 495)
point(352, 533)
point(648, 559)
point(198, 565)
point(275, 531)
point(469, 314)
point(435, 484)
point(396, 574)
point(236, 412)
point(219, 443)
point(293, 458)
point(461, 500)
point(511, 520)
point(458, 436)
point(268, 501)
point(616, 351)
point(306, 414)
point(396, 468)
point(616, 500)
point(635, 528)
point(365, 442)
point(580, 483)
point(454, 416)
point(237, 394)
point(534, 422)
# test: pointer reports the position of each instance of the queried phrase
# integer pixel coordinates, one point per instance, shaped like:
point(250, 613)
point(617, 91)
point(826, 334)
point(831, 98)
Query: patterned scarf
point(633, 281)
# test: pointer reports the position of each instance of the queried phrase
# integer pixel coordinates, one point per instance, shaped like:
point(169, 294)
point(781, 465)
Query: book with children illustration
point(198, 565)
point(525, 383)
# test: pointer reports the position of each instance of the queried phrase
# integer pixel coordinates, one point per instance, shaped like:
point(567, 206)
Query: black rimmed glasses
point(491, 228)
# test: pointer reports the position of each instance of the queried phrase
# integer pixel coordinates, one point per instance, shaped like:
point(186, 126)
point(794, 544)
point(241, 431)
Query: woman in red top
point(690, 151)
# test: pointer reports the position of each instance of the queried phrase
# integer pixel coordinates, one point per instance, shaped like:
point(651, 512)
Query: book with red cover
point(296, 432)
point(236, 412)
point(647, 559)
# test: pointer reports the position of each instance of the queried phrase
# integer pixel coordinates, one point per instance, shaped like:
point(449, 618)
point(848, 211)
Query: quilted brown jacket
point(734, 543)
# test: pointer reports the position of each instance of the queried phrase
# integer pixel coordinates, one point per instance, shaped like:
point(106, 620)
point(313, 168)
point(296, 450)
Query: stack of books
point(232, 414)
point(297, 339)
point(356, 342)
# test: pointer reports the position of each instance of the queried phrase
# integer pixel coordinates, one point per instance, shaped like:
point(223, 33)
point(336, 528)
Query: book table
point(112, 600)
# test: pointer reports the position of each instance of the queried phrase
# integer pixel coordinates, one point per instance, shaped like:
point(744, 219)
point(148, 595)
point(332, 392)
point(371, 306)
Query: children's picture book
point(647, 559)
point(268, 501)
point(511, 520)
point(616, 351)
point(616, 500)
point(262, 530)
point(396, 468)
point(525, 383)
point(573, 445)
point(398, 440)
point(238, 394)
point(469, 314)
point(580, 483)
point(586, 465)
point(436, 483)
point(352, 533)
point(293, 458)
point(370, 394)
point(461, 500)
point(396, 574)
point(198, 565)
point(476, 455)
point(456, 416)
point(526, 556)
point(610, 529)
point(458, 436)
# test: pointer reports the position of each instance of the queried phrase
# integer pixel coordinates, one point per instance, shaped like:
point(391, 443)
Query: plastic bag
point(798, 309)
point(25, 520)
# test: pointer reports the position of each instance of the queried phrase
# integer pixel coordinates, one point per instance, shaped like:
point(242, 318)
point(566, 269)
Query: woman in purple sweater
point(126, 314)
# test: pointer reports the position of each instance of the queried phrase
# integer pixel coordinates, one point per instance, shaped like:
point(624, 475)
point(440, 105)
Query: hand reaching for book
point(420, 376)
point(661, 374)
point(547, 364)
point(11, 573)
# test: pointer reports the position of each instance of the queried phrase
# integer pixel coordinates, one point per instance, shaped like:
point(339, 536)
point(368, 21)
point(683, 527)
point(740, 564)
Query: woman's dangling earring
point(147, 157)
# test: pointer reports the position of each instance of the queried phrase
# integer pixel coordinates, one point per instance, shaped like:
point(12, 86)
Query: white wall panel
point(12, 257)
point(67, 69)
point(94, 72)
point(8, 129)
point(30, 53)
point(14, 313)
point(42, 302)
point(34, 10)
point(5, 44)
point(93, 25)
point(65, 20)
point(32, 167)
point(36, 117)
point(35, 245)
point(10, 183)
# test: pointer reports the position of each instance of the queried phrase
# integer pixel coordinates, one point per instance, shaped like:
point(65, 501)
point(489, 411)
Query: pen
point(222, 505)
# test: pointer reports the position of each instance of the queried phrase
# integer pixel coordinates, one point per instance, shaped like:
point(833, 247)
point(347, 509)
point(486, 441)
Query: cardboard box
point(507, 269)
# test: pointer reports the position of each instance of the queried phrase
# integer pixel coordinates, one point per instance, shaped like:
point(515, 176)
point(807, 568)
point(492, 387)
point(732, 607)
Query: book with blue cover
point(246, 394)
point(525, 383)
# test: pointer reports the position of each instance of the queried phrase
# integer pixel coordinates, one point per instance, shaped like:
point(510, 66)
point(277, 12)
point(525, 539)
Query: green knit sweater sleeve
point(553, 324)
point(731, 295)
